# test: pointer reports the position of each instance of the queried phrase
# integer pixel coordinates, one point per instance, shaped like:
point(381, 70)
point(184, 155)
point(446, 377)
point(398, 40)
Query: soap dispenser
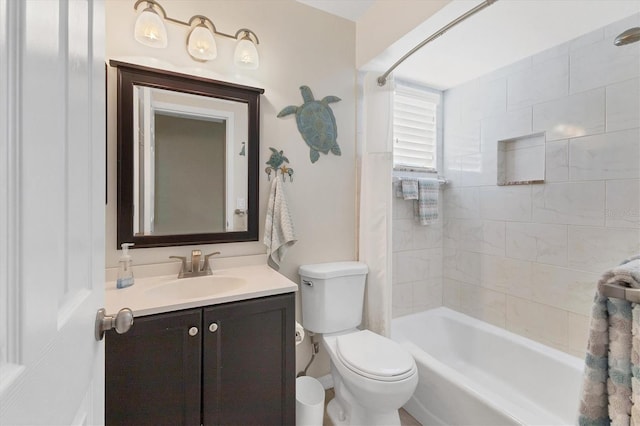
point(125, 273)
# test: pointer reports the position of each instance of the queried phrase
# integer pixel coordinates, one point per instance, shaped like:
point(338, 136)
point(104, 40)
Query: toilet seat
point(374, 356)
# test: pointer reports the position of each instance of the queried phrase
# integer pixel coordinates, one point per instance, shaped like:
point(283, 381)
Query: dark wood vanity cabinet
point(152, 373)
point(238, 369)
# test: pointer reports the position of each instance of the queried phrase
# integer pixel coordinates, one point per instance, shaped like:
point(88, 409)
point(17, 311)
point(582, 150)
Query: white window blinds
point(414, 128)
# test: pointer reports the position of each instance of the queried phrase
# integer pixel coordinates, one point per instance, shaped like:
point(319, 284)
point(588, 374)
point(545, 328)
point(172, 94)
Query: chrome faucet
point(196, 269)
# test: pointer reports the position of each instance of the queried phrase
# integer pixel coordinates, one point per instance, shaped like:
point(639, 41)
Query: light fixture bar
point(246, 31)
point(201, 45)
point(151, 3)
point(193, 18)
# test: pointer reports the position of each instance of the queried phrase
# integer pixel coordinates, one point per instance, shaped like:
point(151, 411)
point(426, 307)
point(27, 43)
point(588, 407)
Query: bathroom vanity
point(225, 357)
point(215, 349)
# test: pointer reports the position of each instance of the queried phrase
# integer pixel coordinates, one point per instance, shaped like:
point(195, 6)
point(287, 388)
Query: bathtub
point(473, 373)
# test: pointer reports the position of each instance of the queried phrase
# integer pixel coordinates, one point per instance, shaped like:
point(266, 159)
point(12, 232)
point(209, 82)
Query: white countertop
point(261, 281)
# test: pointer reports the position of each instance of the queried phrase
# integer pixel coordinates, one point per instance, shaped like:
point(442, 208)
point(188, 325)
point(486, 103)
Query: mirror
point(187, 159)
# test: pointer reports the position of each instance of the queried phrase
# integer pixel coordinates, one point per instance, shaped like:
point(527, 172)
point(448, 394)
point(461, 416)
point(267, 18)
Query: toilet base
point(339, 417)
point(335, 412)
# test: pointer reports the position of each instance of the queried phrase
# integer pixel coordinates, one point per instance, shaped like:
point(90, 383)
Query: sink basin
point(193, 288)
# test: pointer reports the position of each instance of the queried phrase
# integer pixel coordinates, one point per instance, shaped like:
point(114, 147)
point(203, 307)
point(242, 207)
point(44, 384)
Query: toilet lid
point(374, 356)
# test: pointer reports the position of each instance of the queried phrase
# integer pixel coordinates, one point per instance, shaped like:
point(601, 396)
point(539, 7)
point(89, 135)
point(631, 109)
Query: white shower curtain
point(375, 160)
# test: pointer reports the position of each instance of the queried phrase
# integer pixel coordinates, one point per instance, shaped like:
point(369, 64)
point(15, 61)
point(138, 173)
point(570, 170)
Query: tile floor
point(405, 418)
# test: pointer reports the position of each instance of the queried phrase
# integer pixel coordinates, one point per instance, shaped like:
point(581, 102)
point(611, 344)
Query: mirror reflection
point(190, 164)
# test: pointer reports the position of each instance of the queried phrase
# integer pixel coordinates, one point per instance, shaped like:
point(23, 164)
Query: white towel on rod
point(278, 230)
point(409, 189)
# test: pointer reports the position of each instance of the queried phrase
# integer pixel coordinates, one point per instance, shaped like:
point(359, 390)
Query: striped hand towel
point(425, 208)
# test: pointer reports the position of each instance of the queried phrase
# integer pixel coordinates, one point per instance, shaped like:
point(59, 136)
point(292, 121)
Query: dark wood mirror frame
point(130, 75)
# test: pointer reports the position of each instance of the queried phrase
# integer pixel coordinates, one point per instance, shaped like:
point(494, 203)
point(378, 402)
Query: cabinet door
point(249, 363)
point(153, 371)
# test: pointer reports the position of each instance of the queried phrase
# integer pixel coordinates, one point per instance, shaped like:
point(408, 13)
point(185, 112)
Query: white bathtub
point(473, 373)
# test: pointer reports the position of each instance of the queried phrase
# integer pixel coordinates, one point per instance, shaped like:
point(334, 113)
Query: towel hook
point(284, 172)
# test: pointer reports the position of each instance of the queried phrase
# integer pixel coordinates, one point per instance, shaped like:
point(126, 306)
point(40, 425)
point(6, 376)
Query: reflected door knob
point(121, 322)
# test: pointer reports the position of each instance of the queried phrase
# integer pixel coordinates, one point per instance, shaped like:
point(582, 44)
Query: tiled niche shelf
point(521, 160)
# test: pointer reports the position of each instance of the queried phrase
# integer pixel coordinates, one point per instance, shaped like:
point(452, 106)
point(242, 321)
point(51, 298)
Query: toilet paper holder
point(299, 333)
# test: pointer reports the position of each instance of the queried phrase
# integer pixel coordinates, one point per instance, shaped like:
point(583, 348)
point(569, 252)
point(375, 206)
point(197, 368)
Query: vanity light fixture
point(150, 29)
point(201, 44)
point(246, 54)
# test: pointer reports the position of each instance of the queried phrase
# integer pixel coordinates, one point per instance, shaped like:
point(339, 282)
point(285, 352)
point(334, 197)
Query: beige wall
point(298, 46)
point(385, 22)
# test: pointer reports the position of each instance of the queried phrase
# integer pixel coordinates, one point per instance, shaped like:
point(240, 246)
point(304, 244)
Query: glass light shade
point(150, 29)
point(201, 44)
point(246, 54)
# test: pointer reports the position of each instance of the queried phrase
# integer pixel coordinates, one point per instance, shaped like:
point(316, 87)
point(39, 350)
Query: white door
point(52, 195)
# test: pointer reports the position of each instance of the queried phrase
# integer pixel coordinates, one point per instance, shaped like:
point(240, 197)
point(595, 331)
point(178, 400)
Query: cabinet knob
point(213, 327)
point(193, 331)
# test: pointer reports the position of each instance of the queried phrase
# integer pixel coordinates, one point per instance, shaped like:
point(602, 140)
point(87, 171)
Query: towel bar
point(440, 179)
point(619, 292)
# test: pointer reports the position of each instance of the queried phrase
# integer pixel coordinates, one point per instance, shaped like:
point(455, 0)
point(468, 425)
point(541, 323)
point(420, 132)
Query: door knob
point(121, 322)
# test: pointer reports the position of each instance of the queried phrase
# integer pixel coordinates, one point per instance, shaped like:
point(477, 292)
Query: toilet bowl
point(373, 376)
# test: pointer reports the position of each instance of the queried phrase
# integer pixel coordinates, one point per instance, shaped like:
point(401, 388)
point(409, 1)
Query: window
point(415, 128)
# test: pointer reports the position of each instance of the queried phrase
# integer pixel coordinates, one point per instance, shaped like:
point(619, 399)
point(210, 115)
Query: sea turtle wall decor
point(316, 123)
point(276, 159)
point(277, 162)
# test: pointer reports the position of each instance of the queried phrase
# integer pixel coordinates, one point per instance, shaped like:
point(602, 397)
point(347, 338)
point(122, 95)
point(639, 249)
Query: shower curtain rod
point(382, 80)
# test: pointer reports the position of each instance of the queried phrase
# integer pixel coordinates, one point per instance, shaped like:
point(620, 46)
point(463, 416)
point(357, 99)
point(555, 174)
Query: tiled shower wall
point(417, 249)
point(417, 260)
point(527, 257)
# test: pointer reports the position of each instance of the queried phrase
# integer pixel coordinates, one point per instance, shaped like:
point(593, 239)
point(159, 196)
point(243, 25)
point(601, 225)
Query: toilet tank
point(332, 295)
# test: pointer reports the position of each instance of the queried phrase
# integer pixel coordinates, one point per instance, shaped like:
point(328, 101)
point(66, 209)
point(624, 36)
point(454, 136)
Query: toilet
point(373, 376)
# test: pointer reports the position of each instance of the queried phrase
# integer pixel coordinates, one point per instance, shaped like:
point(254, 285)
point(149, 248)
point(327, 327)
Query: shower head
point(630, 36)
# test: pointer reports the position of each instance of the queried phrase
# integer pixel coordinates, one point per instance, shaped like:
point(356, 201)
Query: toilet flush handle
point(307, 282)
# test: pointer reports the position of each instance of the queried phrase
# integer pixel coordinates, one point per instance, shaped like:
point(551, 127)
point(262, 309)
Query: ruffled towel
point(424, 193)
point(278, 229)
point(611, 383)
